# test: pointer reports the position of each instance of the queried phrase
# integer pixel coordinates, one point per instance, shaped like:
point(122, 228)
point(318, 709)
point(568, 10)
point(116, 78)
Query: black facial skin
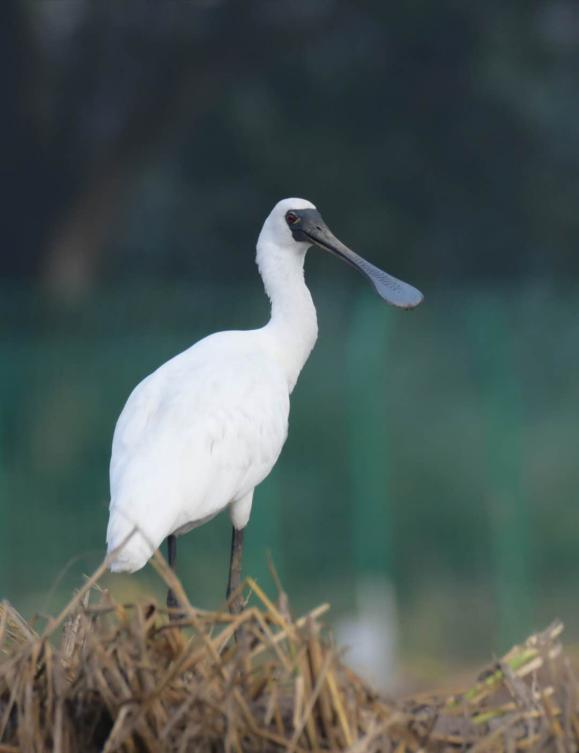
point(305, 219)
point(307, 226)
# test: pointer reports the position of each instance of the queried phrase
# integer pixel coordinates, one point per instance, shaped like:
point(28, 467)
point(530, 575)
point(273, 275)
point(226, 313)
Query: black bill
point(308, 225)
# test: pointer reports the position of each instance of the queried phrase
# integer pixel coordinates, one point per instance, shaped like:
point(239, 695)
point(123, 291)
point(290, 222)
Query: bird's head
point(296, 224)
point(279, 227)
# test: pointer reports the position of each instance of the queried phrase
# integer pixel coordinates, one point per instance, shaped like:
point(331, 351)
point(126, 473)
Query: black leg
point(172, 602)
point(234, 579)
point(172, 550)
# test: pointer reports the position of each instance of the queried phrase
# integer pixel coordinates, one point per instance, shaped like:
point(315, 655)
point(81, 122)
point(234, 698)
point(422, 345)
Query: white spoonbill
point(203, 430)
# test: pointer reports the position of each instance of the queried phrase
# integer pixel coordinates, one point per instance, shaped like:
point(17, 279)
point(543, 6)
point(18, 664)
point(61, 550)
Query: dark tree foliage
point(156, 136)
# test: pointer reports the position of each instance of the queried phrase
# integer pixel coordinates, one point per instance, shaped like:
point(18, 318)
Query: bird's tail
point(128, 548)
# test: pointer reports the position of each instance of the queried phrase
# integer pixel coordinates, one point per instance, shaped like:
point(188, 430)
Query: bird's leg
point(172, 602)
point(234, 580)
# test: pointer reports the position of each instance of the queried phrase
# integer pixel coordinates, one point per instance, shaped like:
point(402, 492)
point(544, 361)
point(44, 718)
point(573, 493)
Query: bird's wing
point(199, 432)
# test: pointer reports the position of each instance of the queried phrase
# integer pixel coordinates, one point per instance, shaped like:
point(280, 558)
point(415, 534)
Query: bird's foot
point(236, 605)
point(173, 605)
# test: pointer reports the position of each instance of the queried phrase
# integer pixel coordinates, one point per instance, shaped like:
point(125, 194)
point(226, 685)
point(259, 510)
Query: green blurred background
point(432, 452)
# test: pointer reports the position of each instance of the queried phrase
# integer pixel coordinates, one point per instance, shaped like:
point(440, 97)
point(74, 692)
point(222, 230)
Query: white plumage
point(199, 434)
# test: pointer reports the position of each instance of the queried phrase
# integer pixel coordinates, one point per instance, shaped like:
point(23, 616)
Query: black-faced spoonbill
point(203, 430)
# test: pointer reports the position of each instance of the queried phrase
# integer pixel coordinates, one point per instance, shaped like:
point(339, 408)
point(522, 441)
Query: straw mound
point(106, 677)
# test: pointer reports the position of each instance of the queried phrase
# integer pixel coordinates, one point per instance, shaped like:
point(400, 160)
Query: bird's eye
point(292, 218)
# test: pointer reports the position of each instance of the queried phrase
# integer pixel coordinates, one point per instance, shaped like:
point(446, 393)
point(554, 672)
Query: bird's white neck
point(292, 330)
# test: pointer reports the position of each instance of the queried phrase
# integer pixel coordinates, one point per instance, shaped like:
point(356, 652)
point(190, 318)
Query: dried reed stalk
point(123, 678)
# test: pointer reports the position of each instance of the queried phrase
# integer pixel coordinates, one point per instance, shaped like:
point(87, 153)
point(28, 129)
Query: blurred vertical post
point(368, 445)
point(373, 633)
point(508, 513)
point(4, 500)
point(3, 526)
point(264, 534)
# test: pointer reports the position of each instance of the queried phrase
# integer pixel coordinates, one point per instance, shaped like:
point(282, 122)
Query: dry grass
point(109, 677)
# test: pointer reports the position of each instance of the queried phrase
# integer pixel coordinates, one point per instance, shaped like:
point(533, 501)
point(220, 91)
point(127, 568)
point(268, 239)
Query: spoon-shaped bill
point(389, 288)
point(397, 293)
